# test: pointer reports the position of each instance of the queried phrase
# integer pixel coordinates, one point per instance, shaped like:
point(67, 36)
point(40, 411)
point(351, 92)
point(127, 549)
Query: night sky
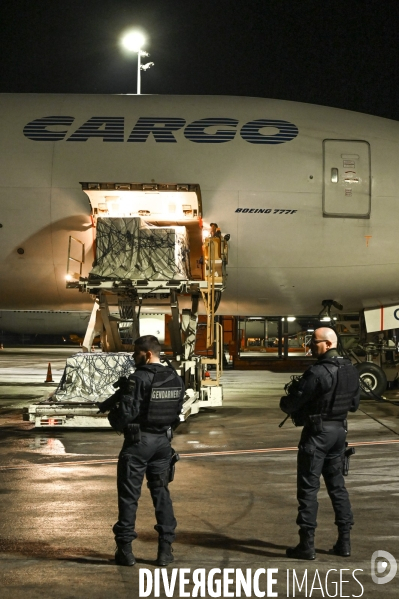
point(335, 53)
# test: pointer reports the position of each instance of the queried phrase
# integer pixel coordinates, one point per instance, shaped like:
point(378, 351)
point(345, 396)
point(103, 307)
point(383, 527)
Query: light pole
point(133, 41)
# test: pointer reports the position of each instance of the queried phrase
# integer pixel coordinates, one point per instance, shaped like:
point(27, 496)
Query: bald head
point(329, 334)
point(323, 339)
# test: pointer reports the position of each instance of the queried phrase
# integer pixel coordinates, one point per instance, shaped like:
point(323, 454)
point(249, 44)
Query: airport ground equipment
point(371, 350)
point(150, 255)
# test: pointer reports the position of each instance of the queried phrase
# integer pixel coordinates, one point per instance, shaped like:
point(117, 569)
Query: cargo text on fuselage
point(162, 130)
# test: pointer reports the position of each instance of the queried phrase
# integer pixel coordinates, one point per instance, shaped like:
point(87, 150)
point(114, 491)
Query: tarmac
point(234, 496)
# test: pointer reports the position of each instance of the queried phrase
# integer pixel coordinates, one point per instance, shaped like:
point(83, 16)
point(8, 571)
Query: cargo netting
point(130, 248)
point(88, 377)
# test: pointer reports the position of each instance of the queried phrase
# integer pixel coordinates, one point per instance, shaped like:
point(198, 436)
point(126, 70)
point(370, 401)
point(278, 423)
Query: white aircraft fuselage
point(309, 194)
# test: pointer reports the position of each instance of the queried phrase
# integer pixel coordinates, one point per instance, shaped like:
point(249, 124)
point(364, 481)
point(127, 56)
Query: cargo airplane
point(309, 195)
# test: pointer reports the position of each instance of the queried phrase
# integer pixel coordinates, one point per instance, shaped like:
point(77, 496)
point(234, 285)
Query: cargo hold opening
point(159, 205)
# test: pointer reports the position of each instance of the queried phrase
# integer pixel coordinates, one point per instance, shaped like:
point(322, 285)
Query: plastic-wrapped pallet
point(89, 377)
point(130, 248)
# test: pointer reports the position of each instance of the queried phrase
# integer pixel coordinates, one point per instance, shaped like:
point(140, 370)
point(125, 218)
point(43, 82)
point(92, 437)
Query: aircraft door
point(347, 179)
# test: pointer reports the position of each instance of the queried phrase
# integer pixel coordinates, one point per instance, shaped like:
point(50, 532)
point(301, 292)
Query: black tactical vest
point(338, 401)
point(166, 392)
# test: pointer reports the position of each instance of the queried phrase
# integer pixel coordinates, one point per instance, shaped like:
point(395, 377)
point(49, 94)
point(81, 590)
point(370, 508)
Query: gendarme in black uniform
point(320, 403)
point(153, 395)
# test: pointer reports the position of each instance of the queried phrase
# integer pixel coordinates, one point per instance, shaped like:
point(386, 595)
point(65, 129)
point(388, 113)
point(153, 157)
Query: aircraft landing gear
point(374, 378)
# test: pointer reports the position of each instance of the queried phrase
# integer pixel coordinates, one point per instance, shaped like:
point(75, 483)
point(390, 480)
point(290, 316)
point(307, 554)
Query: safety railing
point(72, 275)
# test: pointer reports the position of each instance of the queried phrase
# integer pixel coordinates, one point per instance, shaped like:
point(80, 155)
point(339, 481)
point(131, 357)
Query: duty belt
point(151, 431)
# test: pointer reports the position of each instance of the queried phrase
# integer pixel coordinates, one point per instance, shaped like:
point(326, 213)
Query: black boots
point(124, 555)
point(165, 553)
point(305, 548)
point(343, 545)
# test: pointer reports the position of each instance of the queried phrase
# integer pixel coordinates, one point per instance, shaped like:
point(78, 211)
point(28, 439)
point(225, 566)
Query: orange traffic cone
point(49, 377)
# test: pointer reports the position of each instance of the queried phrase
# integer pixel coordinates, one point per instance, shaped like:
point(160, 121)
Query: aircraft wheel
point(374, 378)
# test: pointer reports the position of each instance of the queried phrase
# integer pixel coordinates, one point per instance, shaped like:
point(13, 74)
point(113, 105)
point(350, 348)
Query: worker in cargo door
point(147, 407)
point(215, 231)
point(319, 401)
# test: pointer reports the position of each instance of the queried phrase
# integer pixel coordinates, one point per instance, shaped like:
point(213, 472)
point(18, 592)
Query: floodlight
point(133, 41)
